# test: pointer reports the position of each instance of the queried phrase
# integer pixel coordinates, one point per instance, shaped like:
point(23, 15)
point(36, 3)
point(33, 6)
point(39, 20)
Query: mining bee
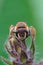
point(17, 47)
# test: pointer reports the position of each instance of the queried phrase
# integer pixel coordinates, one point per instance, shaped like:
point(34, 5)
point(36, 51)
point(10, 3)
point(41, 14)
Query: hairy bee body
point(17, 46)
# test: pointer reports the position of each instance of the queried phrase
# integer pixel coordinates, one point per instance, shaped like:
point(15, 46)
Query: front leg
point(32, 34)
point(13, 53)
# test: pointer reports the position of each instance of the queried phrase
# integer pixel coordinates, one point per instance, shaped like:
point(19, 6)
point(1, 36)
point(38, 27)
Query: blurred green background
point(29, 11)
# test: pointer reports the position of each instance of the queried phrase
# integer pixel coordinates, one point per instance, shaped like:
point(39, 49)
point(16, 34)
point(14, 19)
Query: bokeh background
point(29, 11)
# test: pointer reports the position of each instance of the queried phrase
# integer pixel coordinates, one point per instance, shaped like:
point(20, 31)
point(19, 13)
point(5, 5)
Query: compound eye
point(22, 35)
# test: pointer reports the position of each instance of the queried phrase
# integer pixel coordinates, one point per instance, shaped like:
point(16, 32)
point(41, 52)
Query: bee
point(18, 48)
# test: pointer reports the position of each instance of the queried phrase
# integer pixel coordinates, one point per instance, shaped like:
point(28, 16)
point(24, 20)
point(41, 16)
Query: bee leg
point(12, 53)
point(8, 50)
point(32, 34)
point(6, 61)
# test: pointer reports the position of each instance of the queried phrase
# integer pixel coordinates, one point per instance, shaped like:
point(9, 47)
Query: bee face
point(21, 35)
point(21, 30)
